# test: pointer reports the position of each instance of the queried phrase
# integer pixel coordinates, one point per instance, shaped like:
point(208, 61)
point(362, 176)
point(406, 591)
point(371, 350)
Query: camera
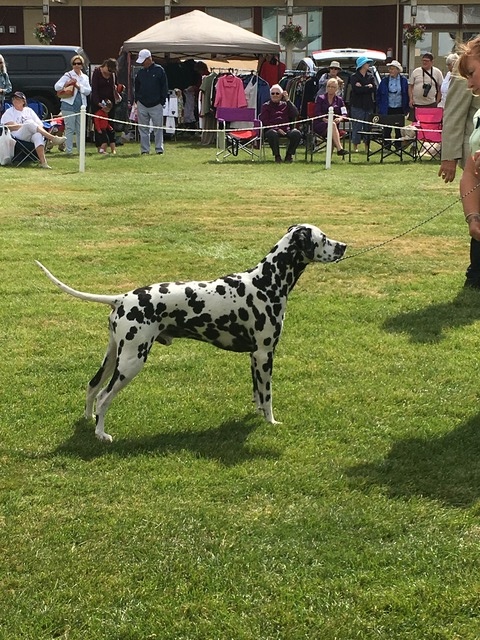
point(426, 88)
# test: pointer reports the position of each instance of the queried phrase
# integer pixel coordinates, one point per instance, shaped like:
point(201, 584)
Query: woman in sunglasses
point(73, 87)
point(278, 116)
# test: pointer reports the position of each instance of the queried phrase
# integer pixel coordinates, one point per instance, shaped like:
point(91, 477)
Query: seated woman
point(277, 115)
point(322, 104)
point(26, 126)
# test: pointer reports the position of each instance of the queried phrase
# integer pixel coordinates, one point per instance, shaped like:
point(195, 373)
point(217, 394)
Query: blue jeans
point(359, 114)
point(155, 115)
point(72, 122)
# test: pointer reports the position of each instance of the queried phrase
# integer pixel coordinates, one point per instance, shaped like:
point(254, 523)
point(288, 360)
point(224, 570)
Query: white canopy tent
point(196, 34)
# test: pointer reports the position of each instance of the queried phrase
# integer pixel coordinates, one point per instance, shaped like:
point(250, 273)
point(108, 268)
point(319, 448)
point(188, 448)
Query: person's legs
point(356, 115)
point(271, 137)
point(143, 115)
point(294, 136)
point(156, 114)
point(70, 124)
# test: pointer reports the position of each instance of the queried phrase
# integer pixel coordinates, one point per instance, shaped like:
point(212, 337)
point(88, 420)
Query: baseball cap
point(143, 55)
point(395, 63)
point(334, 65)
point(361, 61)
point(19, 94)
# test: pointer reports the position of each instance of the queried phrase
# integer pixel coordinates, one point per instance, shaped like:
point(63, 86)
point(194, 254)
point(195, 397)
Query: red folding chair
point(238, 131)
point(428, 121)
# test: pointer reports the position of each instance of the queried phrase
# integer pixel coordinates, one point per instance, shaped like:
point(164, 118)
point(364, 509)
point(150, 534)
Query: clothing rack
point(233, 71)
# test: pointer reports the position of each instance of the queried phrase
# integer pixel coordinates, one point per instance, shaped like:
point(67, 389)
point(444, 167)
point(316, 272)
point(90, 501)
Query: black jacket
point(151, 86)
point(363, 97)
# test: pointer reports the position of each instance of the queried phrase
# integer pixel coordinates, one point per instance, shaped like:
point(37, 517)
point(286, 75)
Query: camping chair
point(428, 121)
point(313, 142)
point(238, 130)
point(380, 141)
point(24, 151)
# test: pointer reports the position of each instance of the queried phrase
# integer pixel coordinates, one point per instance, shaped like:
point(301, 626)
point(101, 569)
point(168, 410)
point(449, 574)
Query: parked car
point(320, 60)
point(34, 69)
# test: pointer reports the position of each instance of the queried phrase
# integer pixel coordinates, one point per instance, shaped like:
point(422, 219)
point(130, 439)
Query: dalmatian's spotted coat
point(239, 312)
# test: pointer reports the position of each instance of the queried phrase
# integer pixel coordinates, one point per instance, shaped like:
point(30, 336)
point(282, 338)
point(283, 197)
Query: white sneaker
point(57, 140)
point(45, 166)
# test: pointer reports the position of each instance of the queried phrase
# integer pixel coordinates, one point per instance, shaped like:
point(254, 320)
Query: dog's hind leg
point(129, 363)
point(262, 367)
point(99, 379)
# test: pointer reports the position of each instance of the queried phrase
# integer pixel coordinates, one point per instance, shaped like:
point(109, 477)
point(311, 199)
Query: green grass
point(357, 517)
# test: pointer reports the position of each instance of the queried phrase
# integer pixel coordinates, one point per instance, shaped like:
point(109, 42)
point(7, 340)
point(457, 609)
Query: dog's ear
point(303, 240)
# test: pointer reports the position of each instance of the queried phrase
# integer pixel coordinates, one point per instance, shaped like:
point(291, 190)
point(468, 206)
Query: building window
point(240, 16)
point(435, 14)
point(471, 14)
point(309, 18)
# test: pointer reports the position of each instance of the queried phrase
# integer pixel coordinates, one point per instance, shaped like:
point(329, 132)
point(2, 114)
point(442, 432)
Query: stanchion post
point(83, 135)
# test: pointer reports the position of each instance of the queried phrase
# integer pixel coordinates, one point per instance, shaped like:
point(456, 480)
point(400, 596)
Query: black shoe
point(278, 159)
point(342, 152)
point(288, 158)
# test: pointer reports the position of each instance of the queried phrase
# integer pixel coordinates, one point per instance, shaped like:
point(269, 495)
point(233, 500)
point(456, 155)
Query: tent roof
point(200, 35)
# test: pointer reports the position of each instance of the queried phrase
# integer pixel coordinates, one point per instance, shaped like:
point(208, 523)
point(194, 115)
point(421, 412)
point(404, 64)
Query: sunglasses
point(78, 64)
point(275, 93)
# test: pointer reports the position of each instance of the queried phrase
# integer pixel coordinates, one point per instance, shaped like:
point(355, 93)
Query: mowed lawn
point(358, 516)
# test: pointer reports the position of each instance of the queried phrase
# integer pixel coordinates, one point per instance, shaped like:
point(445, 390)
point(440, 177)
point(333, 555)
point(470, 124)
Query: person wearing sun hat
point(362, 99)
point(25, 125)
point(392, 94)
point(333, 72)
point(151, 92)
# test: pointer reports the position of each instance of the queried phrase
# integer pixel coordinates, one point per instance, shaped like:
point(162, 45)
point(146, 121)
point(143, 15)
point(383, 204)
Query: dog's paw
point(104, 437)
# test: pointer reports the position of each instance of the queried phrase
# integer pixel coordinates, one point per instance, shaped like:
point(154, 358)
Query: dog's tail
point(92, 297)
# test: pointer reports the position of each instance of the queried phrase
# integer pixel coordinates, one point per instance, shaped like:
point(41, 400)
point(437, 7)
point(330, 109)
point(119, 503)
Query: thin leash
point(404, 233)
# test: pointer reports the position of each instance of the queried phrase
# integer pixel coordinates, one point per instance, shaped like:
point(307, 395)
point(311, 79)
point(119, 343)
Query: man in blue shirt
point(151, 92)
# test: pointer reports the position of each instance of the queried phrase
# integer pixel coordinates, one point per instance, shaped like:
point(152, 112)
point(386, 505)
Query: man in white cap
point(151, 92)
point(26, 126)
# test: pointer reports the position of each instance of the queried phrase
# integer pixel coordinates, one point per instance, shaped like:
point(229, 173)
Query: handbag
point(7, 146)
point(66, 91)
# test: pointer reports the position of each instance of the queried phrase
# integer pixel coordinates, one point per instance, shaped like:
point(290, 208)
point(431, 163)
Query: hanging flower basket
point(413, 33)
point(45, 32)
point(291, 34)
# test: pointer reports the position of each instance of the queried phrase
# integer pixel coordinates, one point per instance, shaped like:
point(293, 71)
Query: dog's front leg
point(262, 367)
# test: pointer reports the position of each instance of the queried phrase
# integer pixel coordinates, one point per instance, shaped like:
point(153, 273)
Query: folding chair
point(24, 151)
point(238, 130)
point(380, 141)
point(428, 121)
point(313, 142)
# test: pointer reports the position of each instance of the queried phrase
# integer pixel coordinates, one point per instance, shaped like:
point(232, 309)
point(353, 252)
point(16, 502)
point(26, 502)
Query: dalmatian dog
point(240, 312)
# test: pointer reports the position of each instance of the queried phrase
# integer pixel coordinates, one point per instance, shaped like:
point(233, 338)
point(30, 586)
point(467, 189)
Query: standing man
point(151, 92)
point(425, 85)
point(460, 107)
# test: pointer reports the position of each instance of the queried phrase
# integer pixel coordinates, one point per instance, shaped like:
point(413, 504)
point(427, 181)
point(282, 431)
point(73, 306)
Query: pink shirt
point(230, 92)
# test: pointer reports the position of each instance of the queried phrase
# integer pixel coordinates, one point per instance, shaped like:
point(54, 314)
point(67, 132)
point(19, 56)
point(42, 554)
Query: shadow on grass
point(446, 468)
point(227, 443)
point(429, 324)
